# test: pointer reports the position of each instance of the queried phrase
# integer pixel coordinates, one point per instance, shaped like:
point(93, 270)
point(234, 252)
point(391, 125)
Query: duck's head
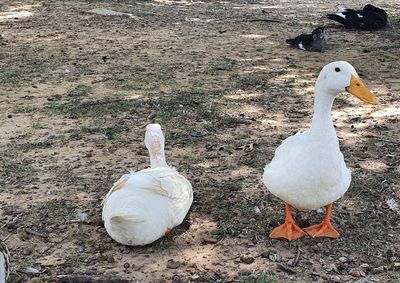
point(154, 140)
point(340, 76)
point(153, 135)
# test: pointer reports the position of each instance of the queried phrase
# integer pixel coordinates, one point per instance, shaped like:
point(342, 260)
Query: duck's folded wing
point(4, 262)
point(291, 143)
point(117, 185)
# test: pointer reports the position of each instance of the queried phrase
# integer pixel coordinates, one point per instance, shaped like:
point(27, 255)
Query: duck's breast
point(307, 173)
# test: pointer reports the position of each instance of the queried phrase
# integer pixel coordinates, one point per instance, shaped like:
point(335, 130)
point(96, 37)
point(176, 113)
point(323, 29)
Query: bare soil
point(77, 89)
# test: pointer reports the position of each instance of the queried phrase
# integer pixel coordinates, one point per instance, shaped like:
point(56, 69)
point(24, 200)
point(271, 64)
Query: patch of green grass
point(75, 260)
point(52, 212)
point(37, 125)
point(252, 80)
point(24, 109)
point(131, 77)
point(224, 64)
point(25, 147)
point(13, 170)
point(92, 108)
point(186, 107)
point(109, 132)
point(26, 66)
point(79, 90)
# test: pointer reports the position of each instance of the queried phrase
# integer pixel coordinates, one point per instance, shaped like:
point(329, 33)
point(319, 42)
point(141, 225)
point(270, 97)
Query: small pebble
point(210, 240)
point(377, 270)
point(357, 273)
point(364, 265)
point(247, 259)
point(171, 264)
point(244, 272)
point(110, 259)
point(343, 259)
point(31, 270)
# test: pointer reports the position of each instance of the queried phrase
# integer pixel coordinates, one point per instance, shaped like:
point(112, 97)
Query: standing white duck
point(308, 170)
point(143, 206)
point(4, 263)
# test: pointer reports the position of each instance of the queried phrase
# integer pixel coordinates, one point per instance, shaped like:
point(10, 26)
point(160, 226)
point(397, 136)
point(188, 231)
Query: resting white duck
point(4, 263)
point(143, 206)
point(308, 170)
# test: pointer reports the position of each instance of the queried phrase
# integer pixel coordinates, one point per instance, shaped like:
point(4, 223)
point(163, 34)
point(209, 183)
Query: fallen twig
point(33, 232)
point(285, 268)
point(296, 259)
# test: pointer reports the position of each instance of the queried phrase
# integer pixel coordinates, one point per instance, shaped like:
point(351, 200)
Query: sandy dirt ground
point(77, 89)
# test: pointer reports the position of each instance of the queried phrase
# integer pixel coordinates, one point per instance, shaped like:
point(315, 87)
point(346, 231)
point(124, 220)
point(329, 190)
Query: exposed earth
point(77, 90)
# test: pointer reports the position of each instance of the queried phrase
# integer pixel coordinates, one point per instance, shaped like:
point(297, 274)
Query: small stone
point(31, 270)
point(194, 277)
point(244, 272)
point(364, 265)
point(357, 273)
point(257, 210)
point(171, 264)
point(272, 256)
point(210, 240)
point(126, 265)
point(335, 278)
point(247, 259)
point(377, 270)
point(343, 259)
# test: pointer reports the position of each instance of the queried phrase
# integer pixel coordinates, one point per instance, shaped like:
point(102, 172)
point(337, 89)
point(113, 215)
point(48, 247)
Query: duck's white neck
point(156, 152)
point(322, 119)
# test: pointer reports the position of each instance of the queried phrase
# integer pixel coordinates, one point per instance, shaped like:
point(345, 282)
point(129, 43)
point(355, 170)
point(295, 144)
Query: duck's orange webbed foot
point(325, 229)
point(289, 230)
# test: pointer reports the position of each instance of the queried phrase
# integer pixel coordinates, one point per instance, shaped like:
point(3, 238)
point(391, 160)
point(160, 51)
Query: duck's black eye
point(337, 69)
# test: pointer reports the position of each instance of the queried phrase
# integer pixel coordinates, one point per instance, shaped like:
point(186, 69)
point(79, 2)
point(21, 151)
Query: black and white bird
point(4, 263)
point(315, 41)
point(369, 18)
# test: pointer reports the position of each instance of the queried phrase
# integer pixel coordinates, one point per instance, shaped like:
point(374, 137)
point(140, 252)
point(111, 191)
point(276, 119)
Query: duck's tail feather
point(125, 218)
point(290, 41)
point(339, 19)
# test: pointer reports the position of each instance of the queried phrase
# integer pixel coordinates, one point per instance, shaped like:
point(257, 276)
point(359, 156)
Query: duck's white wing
point(4, 263)
point(291, 145)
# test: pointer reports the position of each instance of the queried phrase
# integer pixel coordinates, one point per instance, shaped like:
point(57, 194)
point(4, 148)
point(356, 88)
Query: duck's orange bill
point(358, 88)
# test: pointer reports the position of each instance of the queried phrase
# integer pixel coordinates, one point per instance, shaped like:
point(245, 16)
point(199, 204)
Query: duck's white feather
point(308, 172)
point(142, 206)
point(4, 263)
